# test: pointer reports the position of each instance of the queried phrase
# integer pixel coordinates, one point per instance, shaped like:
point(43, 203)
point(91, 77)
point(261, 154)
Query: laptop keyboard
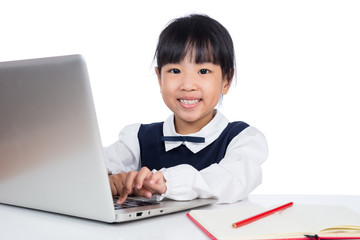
point(130, 203)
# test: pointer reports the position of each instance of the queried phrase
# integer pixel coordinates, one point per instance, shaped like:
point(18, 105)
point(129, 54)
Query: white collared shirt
point(231, 180)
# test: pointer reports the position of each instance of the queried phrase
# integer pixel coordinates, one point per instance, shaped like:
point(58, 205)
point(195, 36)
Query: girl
point(196, 152)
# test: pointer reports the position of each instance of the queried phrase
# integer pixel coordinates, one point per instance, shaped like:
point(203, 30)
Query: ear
point(158, 74)
point(225, 86)
point(227, 80)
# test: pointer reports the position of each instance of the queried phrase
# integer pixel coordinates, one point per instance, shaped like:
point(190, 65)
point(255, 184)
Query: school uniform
point(222, 160)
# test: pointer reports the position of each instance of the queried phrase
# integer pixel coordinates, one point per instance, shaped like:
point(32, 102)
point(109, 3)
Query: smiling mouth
point(189, 102)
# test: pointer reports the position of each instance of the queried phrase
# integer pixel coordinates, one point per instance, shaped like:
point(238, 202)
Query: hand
point(117, 183)
point(143, 183)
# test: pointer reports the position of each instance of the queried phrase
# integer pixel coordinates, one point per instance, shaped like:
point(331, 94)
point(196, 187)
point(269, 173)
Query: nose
point(188, 82)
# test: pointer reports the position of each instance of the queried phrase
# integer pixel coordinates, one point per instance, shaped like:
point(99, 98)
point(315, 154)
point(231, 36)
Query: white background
point(297, 73)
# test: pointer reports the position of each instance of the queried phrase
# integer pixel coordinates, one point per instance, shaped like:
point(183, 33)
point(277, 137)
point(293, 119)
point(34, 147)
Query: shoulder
point(129, 130)
point(132, 131)
point(250, 140)
point(147, 131)
point(249, 132)
point(151, 125)
point(245, 129)
point(238, 126)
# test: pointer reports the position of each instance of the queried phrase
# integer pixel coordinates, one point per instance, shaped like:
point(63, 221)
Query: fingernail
point(148, 195)
point(138, 186)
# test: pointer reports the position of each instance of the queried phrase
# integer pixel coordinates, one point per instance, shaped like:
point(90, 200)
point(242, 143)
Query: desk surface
point(19, 223)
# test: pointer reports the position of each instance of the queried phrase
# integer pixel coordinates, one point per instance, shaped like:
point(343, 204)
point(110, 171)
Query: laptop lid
point(50, 150)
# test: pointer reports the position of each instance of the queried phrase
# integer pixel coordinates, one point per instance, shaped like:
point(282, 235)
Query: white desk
point(19, 223)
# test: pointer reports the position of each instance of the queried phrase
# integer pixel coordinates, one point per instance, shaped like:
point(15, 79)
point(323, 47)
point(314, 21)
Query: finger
point(156, 177)
point(143, 192)
point(143, 174)
point(127, 187)
point(118, 186)
point(113, 187)
point(116, 183)
point(129, 182)
point(122, 198)
point(157, 183)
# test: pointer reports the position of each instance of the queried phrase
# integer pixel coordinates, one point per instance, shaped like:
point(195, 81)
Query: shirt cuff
point(183, 182)
point(158, 197)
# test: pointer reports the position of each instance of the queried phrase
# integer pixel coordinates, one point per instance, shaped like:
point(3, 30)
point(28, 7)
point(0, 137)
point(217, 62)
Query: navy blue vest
point(154, 156)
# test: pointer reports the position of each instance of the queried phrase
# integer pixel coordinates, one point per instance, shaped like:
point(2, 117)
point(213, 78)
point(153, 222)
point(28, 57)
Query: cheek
point(167, 90)
point(169, 86)
point(213, 93)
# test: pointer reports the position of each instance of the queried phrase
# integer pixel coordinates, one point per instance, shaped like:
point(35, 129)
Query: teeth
point(189, 101)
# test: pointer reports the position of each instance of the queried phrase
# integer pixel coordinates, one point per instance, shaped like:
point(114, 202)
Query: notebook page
point(308, 219)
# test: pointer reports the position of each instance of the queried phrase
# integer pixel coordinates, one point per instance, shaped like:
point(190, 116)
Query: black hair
point(207, 37)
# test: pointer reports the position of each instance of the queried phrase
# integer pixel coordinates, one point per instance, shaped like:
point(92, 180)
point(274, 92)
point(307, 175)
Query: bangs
point(200, 50)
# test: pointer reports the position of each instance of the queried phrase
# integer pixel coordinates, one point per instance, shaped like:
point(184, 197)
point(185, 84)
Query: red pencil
point(261, 215)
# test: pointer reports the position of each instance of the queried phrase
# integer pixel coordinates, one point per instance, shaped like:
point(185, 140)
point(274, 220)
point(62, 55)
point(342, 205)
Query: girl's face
point(191, 91)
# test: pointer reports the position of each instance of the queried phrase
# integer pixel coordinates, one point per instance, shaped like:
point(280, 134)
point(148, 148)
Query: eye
point(204, 71)
point(175, 71)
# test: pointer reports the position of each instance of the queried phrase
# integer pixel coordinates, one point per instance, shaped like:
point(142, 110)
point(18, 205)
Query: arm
point(123, 162)
point(124, 154)
point(238, 173)
point(122, 157)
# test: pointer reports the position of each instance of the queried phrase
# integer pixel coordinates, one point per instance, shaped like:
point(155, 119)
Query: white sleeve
point(124, 154)
point(237, 174)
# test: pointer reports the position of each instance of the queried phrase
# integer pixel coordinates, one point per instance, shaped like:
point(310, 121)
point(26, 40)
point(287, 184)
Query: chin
point(190, 117)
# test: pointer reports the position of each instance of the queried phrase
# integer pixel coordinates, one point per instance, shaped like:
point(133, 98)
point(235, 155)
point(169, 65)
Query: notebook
point(300, 221)
point(51, 155)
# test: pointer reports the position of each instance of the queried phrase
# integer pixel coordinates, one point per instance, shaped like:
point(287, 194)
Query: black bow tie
point(183, 139)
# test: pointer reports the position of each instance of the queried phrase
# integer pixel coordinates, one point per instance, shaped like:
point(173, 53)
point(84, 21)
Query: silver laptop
point(51, 156)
